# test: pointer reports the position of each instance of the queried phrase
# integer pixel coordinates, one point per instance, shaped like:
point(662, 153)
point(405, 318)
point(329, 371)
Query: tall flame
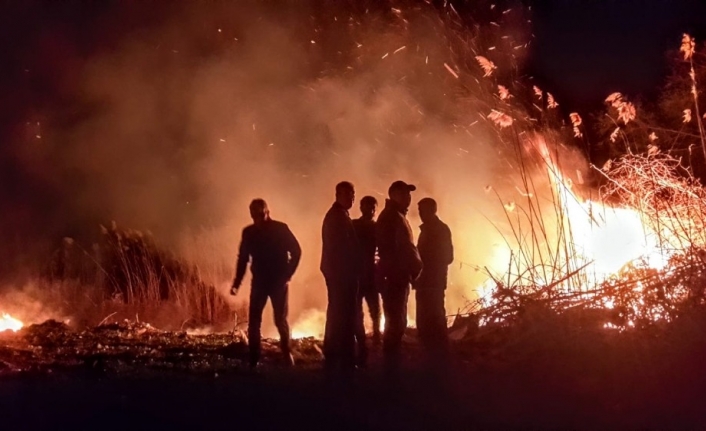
point(8, 322)
point(605, 238)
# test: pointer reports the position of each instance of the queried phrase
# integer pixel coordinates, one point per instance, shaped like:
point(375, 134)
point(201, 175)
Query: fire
point(310, 324)
point(593, 239)
point(8, 322)
point(605, 238)
point(609, 238)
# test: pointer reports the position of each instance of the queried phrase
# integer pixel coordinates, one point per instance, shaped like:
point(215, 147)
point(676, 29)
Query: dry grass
point(129, 275)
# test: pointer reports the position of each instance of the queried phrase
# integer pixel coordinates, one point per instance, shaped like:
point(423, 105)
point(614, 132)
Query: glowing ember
point(8, 322)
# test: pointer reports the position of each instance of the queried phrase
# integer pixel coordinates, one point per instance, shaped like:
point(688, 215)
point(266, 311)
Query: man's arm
point(448, 251)
point(243, 258)
point(333, 233)
point(295, 251)
point(408, 251)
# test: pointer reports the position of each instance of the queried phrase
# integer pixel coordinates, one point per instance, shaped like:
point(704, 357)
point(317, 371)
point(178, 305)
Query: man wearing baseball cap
point(400, 264)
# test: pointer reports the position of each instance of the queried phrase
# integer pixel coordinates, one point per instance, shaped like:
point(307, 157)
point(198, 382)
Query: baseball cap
point(401, 185)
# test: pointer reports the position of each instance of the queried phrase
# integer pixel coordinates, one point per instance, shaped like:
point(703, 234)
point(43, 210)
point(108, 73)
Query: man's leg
point(258, 299)
point(424, 320)
point(362, 348)
point(349, 312)
point(394, 302)
point(440, 334)
point(372, 298)
point(280, 307)
point(332, 330)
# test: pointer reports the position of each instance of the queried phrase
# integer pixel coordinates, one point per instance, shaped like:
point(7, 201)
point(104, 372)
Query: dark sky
point(587, 49)
point(583, 49)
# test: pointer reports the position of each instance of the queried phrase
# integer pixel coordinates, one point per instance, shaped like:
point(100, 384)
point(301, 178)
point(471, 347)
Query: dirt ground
point(126, 384)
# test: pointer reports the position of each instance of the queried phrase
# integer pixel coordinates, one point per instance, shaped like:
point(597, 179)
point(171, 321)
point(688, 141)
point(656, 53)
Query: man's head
point(400, 192)
point(259, 211)
point(368, 206)
point(427, 209)
point(345, 194)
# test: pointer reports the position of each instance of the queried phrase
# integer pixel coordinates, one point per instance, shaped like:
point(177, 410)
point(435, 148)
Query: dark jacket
point(365, 231)
point(399, 258)
point(274, 251)
point(437, 253)
point(340, 259)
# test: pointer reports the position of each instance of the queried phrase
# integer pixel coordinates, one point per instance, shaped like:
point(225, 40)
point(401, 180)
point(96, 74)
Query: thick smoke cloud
point(174, 127)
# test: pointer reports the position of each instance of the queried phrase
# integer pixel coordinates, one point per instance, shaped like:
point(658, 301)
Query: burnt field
point(547, 372)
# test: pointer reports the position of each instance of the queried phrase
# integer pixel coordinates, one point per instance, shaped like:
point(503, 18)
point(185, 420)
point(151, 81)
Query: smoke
point(176, 125)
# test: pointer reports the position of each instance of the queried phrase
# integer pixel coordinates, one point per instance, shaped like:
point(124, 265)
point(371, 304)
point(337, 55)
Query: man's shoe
point(255, 368)
point(288, 360)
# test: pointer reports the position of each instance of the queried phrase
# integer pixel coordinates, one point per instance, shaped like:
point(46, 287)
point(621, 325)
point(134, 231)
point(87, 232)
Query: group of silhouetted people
point(362, 260)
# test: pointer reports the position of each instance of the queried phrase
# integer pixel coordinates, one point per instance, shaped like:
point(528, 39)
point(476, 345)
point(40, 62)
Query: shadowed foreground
point(605, 381)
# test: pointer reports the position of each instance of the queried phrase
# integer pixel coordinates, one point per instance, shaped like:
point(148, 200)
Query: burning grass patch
point(127, 273)
point(633, 258)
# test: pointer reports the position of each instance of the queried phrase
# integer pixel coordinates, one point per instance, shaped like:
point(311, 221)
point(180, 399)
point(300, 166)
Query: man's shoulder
point(389, 214)
point(329, 214)
point(333, 209)
point(248, 229)
point(445, 228)
point(278, 224)
point(336, 212)
point(439, 228)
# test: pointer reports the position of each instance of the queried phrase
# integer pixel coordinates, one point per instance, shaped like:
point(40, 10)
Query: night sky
point(582, 51)
point(585, 50)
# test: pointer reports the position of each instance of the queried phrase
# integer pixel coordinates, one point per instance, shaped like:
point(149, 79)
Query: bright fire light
point(605, 237)
point(8, 322)
point(595, 237)
point(310, 324)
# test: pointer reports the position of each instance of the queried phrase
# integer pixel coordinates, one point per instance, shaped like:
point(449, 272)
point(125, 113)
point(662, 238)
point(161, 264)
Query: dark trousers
point(341, 317)
point(395, 294)
point(372, 298)
point(369, 295)
point(279, 295)
point(431, 321)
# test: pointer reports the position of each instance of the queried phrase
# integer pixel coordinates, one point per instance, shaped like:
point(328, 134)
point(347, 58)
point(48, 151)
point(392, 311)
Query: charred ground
point(548, 371)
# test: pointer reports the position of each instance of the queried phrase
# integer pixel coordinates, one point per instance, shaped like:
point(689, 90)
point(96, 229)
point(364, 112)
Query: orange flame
point(605, 237)
point(9, 323)
point(602, 239)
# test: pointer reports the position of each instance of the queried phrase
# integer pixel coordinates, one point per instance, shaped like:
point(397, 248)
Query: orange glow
point(593, 238)
point(310, 324)
point(604, 237)
point(9, 323)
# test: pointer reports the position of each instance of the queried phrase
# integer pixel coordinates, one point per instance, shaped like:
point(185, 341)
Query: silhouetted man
point(340, 265)
point(368, 291)
point(437, 253)
point(274, 254)
point(400, 264)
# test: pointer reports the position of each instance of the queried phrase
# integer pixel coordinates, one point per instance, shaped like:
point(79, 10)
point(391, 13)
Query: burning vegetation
point(547, 238)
